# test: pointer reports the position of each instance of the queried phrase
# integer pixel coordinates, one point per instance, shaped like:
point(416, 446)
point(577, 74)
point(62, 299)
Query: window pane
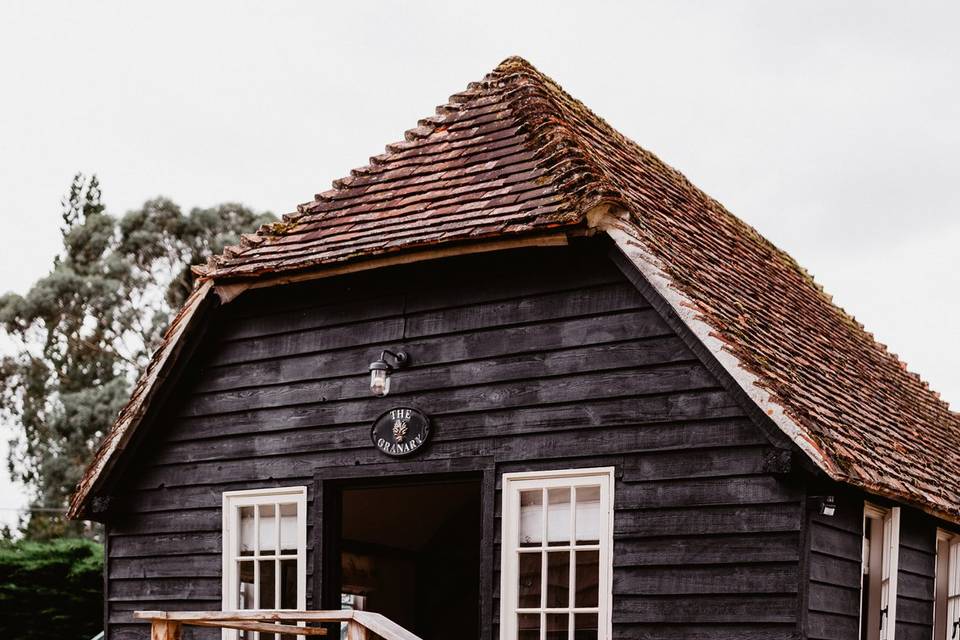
point(268, 529)
point(260, 524)
point(954, 574)
point(585, 626)
point(268, 586)
point(528, 593)
point(558, 516)
point(531, 518)
point(288, 528)
point(588, 515)
point(528, 626)
point(245, 571)
point(288, 584)
point(587, 578)
point(246, 531)
point(557, 625)
point(558, 579)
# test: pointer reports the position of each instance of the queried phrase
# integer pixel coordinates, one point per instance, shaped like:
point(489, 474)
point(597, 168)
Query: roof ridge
point(519, 66)
point(534, 101)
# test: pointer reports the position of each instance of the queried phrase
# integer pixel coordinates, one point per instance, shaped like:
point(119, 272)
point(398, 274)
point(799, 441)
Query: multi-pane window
point(557, 561)
point(264, 551)
point(881, 552)
point(947, 600)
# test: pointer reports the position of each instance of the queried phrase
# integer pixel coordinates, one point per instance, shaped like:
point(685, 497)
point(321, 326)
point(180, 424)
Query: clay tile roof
point(514, 154)
point(495, 159)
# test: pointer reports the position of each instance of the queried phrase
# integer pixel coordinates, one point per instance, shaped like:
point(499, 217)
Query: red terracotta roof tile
point(514, 154)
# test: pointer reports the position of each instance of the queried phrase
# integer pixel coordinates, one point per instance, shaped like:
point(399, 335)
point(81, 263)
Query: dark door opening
point(411, 552)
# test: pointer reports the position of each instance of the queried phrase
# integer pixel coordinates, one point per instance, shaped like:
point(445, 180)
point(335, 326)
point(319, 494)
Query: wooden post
point(355, 631)
point(165, 630)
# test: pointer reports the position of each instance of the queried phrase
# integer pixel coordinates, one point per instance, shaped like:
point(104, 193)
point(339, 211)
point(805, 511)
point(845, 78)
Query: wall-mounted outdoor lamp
point(825, 505)
point(380, 370)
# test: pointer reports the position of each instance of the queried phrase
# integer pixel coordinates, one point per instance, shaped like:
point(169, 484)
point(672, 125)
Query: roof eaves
point(625, 236)
point(146, 387)
point(617, 224)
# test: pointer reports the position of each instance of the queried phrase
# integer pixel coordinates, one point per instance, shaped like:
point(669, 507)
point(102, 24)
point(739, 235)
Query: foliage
point(84, 331)
point(51, 589)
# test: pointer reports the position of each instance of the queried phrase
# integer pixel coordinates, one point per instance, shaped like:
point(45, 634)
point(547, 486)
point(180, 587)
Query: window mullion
point(545, 506)
point(571, 602)
point(256, 531)
point(276, 556)
point(256, 563)
point(955, 568)
point(256, 582)
point(233, 541)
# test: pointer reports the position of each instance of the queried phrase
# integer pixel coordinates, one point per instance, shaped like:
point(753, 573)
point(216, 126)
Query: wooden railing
point(166, 625)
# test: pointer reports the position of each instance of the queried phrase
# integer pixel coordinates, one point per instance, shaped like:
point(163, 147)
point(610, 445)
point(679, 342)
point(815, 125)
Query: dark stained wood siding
point(532, 359)
point(835, 567)
point(918, 559)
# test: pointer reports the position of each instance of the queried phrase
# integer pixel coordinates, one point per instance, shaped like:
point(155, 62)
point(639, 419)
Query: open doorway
point(411, 552)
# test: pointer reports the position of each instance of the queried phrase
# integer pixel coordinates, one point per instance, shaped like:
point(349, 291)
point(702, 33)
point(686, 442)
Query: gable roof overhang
point(515, 160)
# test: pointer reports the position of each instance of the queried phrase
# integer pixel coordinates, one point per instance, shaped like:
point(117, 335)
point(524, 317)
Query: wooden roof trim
point(616, 224)
point(141, 399)
point(228, 291)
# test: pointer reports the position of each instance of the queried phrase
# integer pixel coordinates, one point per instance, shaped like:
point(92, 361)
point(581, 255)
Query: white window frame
point(232, 501)
point(946, 609)
point(889, 569)
point(512, 485)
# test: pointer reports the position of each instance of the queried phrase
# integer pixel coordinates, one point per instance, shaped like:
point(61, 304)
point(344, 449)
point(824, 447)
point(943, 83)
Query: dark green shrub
point(51, 589)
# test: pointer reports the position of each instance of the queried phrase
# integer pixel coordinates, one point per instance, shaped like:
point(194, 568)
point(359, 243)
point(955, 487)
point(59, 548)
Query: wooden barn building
point(518, 379)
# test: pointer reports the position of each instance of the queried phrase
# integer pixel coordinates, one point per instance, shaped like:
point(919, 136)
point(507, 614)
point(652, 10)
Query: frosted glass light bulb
point(380, 382)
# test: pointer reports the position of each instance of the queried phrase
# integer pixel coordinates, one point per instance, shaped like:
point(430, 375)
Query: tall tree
point(83, 332)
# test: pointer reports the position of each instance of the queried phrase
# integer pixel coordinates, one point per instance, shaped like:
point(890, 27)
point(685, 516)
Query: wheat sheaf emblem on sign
point(399, 430)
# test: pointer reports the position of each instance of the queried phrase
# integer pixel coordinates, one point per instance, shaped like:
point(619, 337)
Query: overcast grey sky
point(832, 127)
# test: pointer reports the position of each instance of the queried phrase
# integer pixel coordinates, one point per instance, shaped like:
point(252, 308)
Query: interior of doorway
point(411, 551)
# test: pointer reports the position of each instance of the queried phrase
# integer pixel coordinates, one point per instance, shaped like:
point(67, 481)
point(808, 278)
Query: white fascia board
point(617, 225)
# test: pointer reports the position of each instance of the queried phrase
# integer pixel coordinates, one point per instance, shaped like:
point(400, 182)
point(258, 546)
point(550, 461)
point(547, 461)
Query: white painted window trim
point(512, 484)
point(947, 585)
point(890, 564)
point(232, 501)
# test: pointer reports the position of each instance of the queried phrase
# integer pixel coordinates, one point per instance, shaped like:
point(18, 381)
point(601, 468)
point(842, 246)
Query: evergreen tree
point(83, 332)
point(51, 589)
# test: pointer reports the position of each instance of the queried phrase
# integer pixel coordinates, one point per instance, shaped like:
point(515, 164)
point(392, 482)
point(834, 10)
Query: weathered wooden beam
point(166, 624)
point(247, 615)
point(164, 630)
point(383, 626)
point(228, 291)
point(355, 631)
point(267, 627)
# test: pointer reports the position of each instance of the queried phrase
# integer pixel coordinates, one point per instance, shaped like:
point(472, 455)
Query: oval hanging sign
point(400, 431)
